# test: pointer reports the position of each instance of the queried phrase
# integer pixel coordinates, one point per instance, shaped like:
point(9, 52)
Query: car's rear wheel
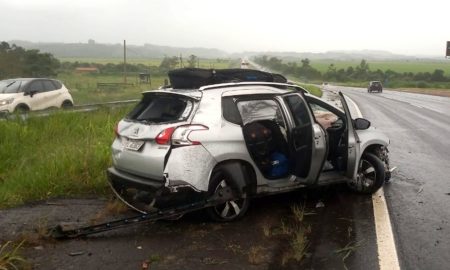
point(370, 176)
point(232, 209)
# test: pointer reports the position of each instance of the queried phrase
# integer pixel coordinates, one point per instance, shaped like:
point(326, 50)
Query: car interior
point(333, 122)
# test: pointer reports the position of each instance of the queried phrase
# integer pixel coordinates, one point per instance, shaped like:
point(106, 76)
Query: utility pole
point(124, 61)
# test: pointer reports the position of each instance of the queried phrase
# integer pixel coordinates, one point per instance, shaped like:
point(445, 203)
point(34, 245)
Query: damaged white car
point(255, 134)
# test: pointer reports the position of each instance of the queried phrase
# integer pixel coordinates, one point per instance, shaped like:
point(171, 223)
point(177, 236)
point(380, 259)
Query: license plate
point(133, 145)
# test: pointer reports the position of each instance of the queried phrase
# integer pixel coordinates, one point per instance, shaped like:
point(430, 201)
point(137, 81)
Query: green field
point(62, 155)
point(414, 66)
point(203, 63)
point(84, 90)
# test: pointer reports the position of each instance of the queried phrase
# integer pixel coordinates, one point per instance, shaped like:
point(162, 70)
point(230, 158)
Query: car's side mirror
point(29, 93)
point(361, 123)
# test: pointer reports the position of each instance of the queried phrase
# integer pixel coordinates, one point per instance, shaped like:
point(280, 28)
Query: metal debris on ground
point(76, 253)
point(320, 204)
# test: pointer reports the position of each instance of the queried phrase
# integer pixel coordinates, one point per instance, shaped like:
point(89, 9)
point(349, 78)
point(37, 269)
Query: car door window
point(299, 110)
point(57, 84)
point(48, 86)
point(36, 87)
point(301, 136)
point(230, 111)
point(323, 116)
point(262, 109)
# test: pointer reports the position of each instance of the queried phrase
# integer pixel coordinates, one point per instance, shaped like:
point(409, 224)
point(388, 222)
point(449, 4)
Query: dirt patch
point(264, 239)
point(426, 91)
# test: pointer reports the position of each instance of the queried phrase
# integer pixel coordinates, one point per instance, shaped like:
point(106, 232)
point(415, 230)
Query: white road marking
point(387, 253)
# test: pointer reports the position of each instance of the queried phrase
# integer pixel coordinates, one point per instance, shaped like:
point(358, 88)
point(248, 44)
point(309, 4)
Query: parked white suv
point(31, 94)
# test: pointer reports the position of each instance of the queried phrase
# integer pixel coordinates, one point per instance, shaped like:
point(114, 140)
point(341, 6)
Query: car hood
point(6, 96)
point(372, 136)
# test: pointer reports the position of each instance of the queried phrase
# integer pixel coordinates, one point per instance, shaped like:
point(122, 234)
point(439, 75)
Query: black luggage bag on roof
point(191, 78)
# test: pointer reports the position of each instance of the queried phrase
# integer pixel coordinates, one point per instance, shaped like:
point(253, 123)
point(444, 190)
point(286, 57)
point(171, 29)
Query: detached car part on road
point(32, 94)
point(255, 137)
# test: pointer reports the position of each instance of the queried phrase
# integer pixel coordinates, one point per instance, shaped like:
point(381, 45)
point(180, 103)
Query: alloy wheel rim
point(229, 209)
point(367, 174)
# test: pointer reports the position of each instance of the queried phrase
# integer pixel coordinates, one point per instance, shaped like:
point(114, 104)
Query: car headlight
point(6, 101)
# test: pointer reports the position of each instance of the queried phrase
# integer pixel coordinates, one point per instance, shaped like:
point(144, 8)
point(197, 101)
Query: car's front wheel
point(21, 109)
point(232, 209)
point(370, 176)
point(67, 104)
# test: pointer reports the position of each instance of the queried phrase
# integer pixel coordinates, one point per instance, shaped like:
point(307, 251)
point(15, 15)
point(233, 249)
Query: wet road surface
point(339, 225)
point(419, 196)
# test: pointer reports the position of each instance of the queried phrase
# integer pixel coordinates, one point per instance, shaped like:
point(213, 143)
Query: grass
point(346, 251)
point(203, 63)
point(399, 66)
point(114, 207)
point(83, 87)
point(294, 231)
point(298, 232)
point(314, 90)
point(10, 258)
point(62, 155)
point(257, 255)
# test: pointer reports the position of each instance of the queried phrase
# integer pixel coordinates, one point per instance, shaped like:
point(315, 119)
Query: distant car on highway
point(31, 94)
point(375, 86)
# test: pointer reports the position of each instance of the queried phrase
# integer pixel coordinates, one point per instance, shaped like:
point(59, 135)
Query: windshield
point(10, 86)
point(162, 108)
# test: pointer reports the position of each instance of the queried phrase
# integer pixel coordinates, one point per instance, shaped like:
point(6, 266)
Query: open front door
point(353, 141)
point(307, 140)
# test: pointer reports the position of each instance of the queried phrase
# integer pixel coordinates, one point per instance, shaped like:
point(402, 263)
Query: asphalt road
point(341, 230)
point(418, 197)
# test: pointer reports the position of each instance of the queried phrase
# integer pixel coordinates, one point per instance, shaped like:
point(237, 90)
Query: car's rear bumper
point(144, 195)
point(122, 179)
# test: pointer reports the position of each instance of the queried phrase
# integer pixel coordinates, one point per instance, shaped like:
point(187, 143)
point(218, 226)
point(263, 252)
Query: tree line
point(359, 73)
point(16, 61)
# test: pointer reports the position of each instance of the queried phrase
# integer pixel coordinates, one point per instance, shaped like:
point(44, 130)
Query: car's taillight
point(181, 135)
point(164, 136)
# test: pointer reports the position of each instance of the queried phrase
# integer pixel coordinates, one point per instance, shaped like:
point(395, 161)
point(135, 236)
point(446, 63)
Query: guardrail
point(76, 108)
point(112, 86)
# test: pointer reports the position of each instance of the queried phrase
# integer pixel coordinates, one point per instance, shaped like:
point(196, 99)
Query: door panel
point(308, 142)
point(37, 98)
point(353, 141)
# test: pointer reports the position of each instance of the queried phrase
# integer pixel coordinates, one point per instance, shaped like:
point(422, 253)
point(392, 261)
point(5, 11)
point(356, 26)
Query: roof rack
point(273, 84)
point(195, 78)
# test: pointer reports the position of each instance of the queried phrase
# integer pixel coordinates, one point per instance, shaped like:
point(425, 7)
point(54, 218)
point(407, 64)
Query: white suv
point(257, 136)
point(30, 94)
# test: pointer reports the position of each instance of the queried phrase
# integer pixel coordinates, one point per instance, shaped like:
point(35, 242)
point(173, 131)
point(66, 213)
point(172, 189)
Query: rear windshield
point(162, 108)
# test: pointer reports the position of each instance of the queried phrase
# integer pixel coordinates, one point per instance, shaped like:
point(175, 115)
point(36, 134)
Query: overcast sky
point(405, 27)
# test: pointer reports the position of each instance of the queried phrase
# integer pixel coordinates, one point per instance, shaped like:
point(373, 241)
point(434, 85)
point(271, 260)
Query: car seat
point(268, 147)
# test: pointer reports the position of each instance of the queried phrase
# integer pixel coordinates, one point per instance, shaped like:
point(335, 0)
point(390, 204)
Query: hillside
point(99, 50)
